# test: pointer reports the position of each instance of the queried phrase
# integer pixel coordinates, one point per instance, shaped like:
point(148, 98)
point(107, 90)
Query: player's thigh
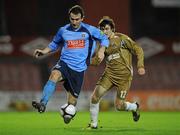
point(99, 91)
point(102, 86)
point(122, 89)
point(55, 75)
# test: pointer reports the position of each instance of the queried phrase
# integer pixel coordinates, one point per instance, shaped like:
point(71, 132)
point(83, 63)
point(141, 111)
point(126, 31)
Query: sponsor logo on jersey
point(73, 44)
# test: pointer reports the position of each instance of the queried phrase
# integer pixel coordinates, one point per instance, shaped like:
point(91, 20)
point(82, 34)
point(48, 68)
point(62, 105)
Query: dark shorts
point(73, 80)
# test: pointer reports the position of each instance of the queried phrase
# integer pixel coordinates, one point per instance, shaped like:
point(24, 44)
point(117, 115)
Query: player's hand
point(101, 54)
point(95, 61)
point(38, 53)
point(141, 71)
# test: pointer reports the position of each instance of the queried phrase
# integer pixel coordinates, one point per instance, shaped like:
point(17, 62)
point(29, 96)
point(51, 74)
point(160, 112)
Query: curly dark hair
point(106, 20)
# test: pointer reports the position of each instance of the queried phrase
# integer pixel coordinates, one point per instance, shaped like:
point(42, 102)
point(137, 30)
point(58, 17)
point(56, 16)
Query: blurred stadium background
point(26, 25)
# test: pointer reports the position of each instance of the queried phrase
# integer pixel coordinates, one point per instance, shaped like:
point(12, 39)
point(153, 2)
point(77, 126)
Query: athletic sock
point(48, 90)
point(94, 111)
point(131, 106)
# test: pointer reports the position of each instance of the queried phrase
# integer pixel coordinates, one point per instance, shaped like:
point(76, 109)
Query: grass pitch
point(111, 123)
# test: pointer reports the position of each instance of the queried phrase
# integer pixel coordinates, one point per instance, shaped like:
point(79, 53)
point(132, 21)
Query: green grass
point(113, 123)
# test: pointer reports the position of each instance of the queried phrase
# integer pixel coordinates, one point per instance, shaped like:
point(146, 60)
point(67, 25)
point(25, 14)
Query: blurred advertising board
point(160, 100)
point(24, 46)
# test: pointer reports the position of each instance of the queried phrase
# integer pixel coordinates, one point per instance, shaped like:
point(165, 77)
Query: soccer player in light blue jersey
point(77, 39)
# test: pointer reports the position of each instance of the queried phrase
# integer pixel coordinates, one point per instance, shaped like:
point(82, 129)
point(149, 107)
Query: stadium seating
point(161, 73)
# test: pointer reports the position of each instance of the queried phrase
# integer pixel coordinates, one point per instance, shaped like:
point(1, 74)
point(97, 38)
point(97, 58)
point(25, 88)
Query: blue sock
point(48, 90)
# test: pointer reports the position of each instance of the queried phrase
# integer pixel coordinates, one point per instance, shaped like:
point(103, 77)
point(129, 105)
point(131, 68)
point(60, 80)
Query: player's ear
point(82, 18)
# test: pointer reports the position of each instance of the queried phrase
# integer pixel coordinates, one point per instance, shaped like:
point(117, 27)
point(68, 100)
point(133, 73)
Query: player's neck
point(112, 35)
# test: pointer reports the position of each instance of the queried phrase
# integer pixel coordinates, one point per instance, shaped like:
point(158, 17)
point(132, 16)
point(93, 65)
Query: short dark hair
point(77, 10)
point(106, 20)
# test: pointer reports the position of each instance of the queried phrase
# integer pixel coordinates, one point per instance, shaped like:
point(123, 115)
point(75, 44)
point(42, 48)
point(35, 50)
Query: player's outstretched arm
point(40, 52)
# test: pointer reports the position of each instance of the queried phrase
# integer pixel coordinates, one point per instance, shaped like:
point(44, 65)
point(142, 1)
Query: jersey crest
point(123, 44)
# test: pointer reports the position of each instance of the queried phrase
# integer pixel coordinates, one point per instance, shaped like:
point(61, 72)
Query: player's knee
point(120, 106)
point(72, 101)
point(55, 75)
point(94, 99)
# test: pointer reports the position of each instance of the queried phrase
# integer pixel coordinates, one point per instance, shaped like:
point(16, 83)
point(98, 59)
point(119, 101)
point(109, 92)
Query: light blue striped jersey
point(77, 44)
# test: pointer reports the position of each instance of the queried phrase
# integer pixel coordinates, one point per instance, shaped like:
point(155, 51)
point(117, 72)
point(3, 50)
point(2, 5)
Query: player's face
point(75, 20)
point(107, 30)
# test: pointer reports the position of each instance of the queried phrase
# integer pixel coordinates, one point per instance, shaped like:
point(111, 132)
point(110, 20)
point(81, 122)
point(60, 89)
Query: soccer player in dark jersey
point(77, 39)
point(118, 71)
